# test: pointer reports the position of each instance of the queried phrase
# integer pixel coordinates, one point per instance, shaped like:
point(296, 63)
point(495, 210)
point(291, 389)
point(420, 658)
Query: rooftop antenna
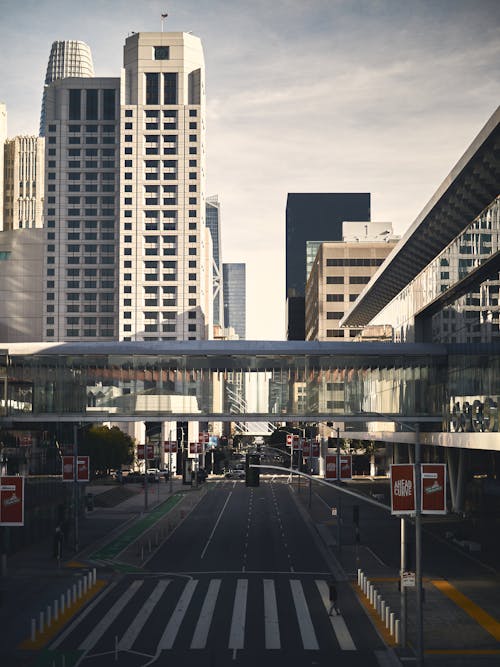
point(162, 18)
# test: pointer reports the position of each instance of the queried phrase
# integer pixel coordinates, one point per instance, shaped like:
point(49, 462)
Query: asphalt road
point(241, 581)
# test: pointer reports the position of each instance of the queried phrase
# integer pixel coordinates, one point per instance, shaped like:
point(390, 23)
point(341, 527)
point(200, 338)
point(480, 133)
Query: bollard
point(382, 609)
point(68, 598)
point(396, 631)
point(142, 552)
point(56, 610)
point(48, 616)
point(359, 577)
point(33, 629)
point(387, 614)
point(94, 576)
point(79, 588)
point(62, 603)
point(41, 623)
point(378, 602)
point(366, 583)
point(73, 597)
point(85, 585)
point(391, 623)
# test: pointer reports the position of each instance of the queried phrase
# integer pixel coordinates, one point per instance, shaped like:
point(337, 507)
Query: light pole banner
point(331, 467)
point(11, 501)
point(403, 497)
point(83, 468)
point(68, 468)
point(346, 466)
point(170, 446)
point(434, 488)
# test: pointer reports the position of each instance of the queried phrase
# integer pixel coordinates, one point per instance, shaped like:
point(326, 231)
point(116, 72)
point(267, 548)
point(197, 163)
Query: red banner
point(196, 448)
point(83, 468)
point(170, 447)
point(346, 466)
point(149, 450)
point(315, 449)
point(403, 500)
point(331, 467)
point(68, 468)
point(12, 501)
point(306, 448)
point(433, 488)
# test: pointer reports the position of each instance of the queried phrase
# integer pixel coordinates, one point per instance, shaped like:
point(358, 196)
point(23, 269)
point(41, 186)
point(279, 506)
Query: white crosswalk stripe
point(207, 611)
point(144, 613)
point(306, 627)
point(193, 605)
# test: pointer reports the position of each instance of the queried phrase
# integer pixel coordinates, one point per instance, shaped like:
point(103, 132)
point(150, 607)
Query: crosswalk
point(159, 614)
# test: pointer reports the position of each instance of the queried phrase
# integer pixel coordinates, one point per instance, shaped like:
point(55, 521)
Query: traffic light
point(252, 475)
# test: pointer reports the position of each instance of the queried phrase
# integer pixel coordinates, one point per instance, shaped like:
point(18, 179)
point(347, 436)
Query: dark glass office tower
point(314, 216)
point(212, 221)
point(234, 290)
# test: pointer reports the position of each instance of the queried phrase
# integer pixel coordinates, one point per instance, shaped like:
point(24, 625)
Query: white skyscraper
point(67, 58)
point(165, 248)
point(24, 182)
point(3, 137)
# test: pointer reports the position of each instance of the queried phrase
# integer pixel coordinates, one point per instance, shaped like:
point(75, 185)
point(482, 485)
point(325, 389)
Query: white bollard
point(396, 631)
point(387, 614)
point(68, 598)
point(49, 616)
point(382, 610)
point(79, 588)
point(85, 585)
point(378, 603)
point(74, 598)
point(94, 576)
point(89, 580)
point(392, 618)
point(62, 603)
point(56, 610)
point(41, 623)
point(33, 629)
point(359, 576)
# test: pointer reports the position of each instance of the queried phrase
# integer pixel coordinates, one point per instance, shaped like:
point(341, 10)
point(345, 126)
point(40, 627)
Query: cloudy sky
point(379, 96)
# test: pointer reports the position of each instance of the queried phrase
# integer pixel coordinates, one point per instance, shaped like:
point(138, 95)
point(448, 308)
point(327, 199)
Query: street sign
point(334, 511)
point(433, 488)
point(403, 500)
point(408, 580)
point(346, 466)
point(331, 467)
point(11, 501)
point(83, 468)
point(68, 468)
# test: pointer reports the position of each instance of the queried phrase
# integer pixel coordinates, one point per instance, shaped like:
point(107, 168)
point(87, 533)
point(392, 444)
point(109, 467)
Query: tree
point(108, 448)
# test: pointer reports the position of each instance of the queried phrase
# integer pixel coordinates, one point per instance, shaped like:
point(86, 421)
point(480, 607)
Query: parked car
point(235, 474)
point(153, 474)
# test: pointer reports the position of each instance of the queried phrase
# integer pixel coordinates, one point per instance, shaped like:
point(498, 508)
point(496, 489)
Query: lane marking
point(215, 527)
point(271, 623)
point(207, 611)
point(339, 626)
point(306, 627)
point(237, 633)
point(91, 640)
point(170, 633)
point(476, 612)
point(144, 613)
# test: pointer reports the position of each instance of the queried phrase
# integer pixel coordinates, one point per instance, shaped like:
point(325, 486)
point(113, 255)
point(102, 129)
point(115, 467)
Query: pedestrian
point(332, 592)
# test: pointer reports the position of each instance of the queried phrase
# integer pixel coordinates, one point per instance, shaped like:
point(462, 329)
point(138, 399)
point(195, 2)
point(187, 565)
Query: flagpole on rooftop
point(162, 18)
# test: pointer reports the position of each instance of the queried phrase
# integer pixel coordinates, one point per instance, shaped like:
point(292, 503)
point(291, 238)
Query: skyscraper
point(24, 182)
point(67, 58)
point(165, 249)
point(234, 287)
point(3, 137)
point(313, 217)
point(213, 224)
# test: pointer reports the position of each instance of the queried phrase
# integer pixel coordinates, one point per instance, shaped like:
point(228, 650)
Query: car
point(235, 474)
point(153, 474)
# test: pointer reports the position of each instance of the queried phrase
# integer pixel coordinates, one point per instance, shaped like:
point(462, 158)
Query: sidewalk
point(35, 579)
point(461, 615)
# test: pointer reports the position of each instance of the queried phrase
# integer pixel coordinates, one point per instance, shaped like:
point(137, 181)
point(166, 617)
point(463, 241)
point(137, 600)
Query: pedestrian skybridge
point(244, 380)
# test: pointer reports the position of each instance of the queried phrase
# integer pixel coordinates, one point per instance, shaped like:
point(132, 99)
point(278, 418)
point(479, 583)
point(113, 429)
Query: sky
point(380, 96)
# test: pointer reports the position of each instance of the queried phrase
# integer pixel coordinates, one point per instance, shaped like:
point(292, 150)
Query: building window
point(170, 88)
point(334, 315)
point(91, 106)
point(108, 104)
point(335, 333)
point(75, 100)
point(161, 52)
point(334, 297)
point(152, 96)
point(359, 280)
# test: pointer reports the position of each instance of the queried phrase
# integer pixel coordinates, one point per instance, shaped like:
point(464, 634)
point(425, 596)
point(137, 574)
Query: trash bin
point(90, 501)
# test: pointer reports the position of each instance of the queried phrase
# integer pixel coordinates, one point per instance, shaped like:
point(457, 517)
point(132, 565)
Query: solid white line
point(170, 633)
point(111, 615)
point(216, 524)
point(207, 611)
point(237, 634)
point(145, 612)
point(306, 628)
point(272, 628)
point(339, 626)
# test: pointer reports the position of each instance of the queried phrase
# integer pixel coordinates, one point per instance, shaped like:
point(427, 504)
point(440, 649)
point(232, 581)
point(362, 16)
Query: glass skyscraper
point(234, 287)
point(212, 221)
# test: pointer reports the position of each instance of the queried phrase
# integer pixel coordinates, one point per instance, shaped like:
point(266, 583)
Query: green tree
point(108, 448)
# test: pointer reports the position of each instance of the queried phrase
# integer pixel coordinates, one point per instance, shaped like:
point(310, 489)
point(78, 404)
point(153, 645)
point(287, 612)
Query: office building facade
point(3, 138)
point(234, 281)
point(313, 217)
point(213, 222)
point(339, 272)
point(24, 183)
point(68, 58)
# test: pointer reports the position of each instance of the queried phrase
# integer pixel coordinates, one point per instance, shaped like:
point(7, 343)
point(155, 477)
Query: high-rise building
point(339, 274)
point(3, 137)
point(82, 209)
point(67, 58)
point(313, 217)
point(24, 183)
point(213, 224)
point(234, 281)
point(165, 248)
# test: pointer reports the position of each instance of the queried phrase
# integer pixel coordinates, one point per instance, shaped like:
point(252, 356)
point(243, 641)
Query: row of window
point(354, 261)
point(341, 333)
point(340, 297)
point(89, 140)
point(353, 280)
point(87, 333)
